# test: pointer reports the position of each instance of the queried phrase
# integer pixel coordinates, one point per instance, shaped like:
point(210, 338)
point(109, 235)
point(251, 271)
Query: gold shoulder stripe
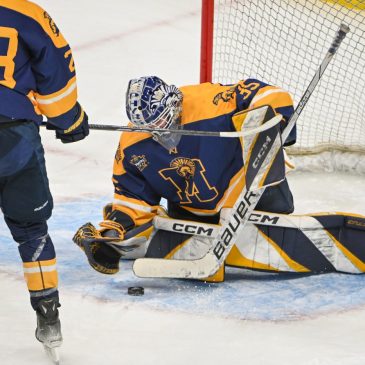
point(271, 95)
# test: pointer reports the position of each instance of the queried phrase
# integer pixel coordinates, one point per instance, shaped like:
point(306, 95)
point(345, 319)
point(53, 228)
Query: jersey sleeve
point(253, 93)
point(52, 63)
point(133, 195)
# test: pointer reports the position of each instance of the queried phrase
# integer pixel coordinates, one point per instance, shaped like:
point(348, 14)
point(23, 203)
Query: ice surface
point(251, 318)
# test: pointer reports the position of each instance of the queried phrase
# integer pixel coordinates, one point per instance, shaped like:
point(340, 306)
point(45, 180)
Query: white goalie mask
point(154, 104)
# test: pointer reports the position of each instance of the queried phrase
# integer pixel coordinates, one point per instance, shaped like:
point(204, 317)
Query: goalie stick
point(209, 264)
point(185, 132)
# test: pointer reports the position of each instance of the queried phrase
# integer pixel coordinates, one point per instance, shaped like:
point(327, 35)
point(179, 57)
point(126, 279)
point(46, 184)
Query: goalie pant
point(318, 243)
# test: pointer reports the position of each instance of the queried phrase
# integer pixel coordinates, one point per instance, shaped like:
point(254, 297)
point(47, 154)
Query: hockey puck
point(136, 290)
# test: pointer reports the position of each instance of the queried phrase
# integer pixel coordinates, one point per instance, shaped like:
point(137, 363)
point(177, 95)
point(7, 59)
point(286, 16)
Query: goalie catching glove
point(105, 247)
point(102, 257)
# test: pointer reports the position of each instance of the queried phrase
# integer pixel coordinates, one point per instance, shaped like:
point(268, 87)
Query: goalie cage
point(282, 42)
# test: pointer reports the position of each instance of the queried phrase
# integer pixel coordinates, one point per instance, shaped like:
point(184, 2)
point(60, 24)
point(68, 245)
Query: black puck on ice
point(135, 290)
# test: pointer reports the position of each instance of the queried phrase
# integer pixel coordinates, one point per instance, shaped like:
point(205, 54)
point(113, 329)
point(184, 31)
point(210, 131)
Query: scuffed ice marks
point(245, 294)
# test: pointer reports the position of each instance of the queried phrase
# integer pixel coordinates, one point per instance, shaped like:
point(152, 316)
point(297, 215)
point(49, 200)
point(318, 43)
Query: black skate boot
point(48, 324)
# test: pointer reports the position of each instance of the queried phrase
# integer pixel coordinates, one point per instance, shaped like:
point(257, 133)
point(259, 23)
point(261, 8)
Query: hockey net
point(282, 42)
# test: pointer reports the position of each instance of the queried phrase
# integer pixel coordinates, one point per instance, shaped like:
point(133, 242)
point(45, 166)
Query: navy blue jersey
point(37, 73)
point(202, 174)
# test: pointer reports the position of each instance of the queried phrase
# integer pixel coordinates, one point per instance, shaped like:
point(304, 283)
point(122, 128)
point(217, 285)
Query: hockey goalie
point(225, 196)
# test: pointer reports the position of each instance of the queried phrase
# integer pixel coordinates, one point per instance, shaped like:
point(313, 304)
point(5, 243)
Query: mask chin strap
point(167, 140)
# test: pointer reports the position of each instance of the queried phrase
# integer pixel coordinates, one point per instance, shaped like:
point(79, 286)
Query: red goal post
point(207, 32)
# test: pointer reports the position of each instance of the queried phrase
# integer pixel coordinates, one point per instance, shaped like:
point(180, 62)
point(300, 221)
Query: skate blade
point(53, 354)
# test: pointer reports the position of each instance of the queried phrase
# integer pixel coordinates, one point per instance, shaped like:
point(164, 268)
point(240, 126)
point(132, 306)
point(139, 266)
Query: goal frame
point(324, 150)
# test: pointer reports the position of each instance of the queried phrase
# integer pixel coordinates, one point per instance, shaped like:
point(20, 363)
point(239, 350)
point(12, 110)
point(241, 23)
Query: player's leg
point(27, 204)
point(39, 264)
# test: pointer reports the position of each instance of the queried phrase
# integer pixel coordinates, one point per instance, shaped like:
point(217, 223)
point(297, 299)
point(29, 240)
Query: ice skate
point(48, 330)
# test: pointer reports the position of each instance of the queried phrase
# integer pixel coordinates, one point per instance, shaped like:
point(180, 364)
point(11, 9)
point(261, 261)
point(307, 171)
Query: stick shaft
point(188, 132)
point(340, 35)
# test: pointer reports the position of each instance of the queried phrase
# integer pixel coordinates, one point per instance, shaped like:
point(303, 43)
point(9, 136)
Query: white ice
point(316, 320)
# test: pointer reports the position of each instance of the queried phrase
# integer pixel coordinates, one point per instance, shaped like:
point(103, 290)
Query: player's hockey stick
point(209, 264)
point(185, 132)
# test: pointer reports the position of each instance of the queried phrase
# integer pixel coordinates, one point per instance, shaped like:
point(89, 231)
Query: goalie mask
point(154, 104)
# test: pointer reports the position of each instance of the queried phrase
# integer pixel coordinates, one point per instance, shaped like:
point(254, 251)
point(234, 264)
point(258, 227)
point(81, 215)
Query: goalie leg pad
point(180, 246)
point(318, 243)
point(277, 199)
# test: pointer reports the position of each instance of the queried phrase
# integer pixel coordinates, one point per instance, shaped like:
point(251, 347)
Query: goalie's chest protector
point(195, 174)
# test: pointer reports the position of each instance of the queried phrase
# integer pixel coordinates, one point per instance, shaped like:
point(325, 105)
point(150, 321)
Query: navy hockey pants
point(26, 202)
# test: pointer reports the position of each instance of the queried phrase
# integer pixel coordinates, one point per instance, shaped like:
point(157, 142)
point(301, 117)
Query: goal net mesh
point(283, 42)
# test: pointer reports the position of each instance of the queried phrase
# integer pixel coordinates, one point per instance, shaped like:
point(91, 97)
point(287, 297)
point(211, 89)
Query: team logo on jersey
point(185, 167)
point(240, 88)
point(52, 24)
point(139, 161)
point(194, 183)
point(224, 96)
